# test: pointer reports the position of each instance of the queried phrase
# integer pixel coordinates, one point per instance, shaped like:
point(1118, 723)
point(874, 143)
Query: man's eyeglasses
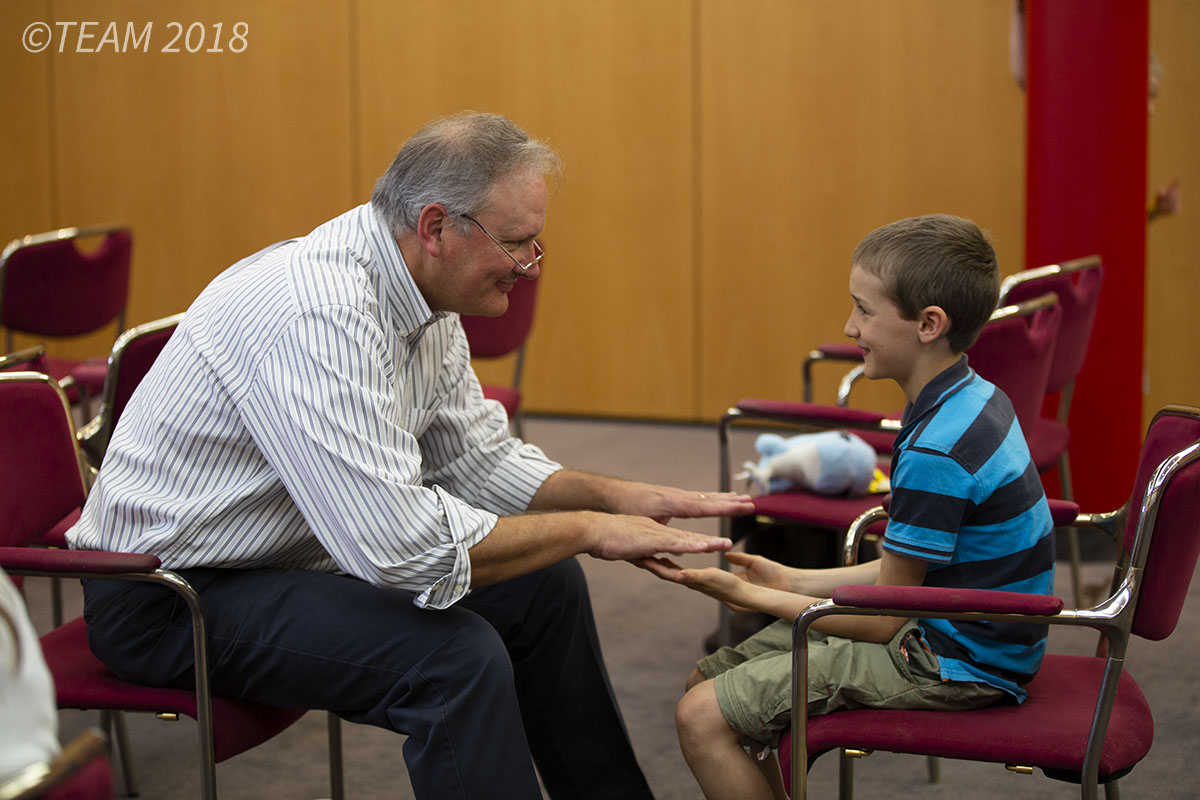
point(537, 249)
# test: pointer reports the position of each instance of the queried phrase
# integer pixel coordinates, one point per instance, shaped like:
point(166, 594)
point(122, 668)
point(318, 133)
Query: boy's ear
point(932, 323)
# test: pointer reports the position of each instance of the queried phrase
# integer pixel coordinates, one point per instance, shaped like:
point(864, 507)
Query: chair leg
point(933, 768)
point(336, 787)
point(56, 604)
point(1112, 791)
point(1076, 566)
point(1068, 493)
point(113, 723)
point(845, 776)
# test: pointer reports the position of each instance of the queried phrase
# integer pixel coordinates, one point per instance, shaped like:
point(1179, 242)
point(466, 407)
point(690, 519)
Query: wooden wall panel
point(723, 158)
point(1172, 279)
point(209, 156)
point(821, 121)
point(26, 202)
point(609, 84)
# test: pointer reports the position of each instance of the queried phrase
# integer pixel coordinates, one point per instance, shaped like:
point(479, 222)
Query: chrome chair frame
point(1066, 395)
point(95, 434)
point(43, 776)
point(143, 568)
point(60, 234)
point(1112, 617)
point(856, 420)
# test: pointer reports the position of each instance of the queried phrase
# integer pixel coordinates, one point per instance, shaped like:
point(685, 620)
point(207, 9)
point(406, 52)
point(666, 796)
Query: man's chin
point(494, 306)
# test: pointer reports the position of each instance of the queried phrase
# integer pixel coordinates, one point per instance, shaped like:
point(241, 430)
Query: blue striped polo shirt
point(967, 498)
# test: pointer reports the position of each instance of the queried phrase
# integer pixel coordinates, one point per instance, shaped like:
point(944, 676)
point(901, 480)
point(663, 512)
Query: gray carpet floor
point(652, 633)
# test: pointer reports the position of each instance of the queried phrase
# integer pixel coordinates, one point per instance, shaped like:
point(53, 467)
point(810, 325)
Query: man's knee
point(565, 580)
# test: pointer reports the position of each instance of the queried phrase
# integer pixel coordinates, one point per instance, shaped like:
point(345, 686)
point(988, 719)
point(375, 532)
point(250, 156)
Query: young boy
point(967, 511)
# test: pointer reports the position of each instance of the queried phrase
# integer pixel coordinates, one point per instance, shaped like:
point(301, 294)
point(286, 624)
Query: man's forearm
point(575, 490)
point(526, 543)
point(571, 490)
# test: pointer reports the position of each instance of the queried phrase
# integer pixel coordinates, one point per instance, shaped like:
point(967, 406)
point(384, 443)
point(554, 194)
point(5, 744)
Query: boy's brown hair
point(935, 260)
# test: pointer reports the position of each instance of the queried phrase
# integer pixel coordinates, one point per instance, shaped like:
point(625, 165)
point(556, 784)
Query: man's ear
point(431, 224)
point(932, 323)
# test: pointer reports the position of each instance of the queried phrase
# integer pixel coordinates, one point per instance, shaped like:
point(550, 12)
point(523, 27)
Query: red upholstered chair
point(1013, 351)
point(1085, 719)
point(1077, 286)
point(49, 287)
point(79, 772)
point(43, 477)
point(28, 358)
point(132, 356)
point(496, 337)
point(1077, 283)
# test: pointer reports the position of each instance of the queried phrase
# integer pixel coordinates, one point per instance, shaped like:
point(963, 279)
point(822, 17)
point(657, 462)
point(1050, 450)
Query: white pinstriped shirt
point(311, 411)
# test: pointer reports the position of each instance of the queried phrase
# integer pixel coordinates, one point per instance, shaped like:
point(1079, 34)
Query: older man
point(313, 453)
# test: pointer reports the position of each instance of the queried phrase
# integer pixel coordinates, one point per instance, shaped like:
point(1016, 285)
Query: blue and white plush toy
point(828, 462)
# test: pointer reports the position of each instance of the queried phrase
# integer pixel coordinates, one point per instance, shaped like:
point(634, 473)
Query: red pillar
point(1086, 98)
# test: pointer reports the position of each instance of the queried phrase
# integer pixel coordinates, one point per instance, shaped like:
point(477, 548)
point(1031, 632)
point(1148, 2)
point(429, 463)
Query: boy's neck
point(935, 363)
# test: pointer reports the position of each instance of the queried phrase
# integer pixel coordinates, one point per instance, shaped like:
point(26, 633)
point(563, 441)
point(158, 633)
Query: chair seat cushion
point(508, 397)
point(82, 681)
point(89, 374)
point(811, 508)
point(1049, 730)
point(881, 442)
point(57, 536)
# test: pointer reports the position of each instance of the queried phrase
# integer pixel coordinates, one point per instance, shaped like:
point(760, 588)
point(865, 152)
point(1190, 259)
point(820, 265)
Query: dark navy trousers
point(510, 671)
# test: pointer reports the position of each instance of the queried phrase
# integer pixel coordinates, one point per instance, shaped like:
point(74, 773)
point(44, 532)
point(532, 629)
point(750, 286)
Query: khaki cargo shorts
point(753, 679)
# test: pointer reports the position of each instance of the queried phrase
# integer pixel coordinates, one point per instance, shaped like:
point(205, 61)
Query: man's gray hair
point(455, 161)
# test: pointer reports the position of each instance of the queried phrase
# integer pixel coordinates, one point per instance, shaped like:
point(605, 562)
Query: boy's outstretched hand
point(744, 590)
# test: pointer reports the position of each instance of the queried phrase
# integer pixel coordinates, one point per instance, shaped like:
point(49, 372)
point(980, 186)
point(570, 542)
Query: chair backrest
point(492, 337)
point(43, 476)
point(49, 287)
point(1077, 285)
point(1015, 350)
point(1162, 529)
point(132, 356)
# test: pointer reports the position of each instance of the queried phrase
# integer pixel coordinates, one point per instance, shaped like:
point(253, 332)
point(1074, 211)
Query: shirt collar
point(944, 384)
point(398, 293)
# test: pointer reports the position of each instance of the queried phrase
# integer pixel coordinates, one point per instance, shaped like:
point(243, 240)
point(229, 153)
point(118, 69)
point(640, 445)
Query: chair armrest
point(933, 599)
point(74, 563)
point(828, 351)
point(1062, 513)
point(836, 351)
point(93, 436)
point(29, 357)
point(814, 414)
point(37, 780)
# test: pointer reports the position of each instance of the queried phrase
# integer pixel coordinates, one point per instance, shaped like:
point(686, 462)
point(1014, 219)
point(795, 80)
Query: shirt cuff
point(467, 527)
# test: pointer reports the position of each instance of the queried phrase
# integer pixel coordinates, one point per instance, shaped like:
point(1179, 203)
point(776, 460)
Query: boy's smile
point(890, 343)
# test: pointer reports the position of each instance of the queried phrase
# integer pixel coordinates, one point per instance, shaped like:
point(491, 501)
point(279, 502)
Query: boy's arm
point(803, 588)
